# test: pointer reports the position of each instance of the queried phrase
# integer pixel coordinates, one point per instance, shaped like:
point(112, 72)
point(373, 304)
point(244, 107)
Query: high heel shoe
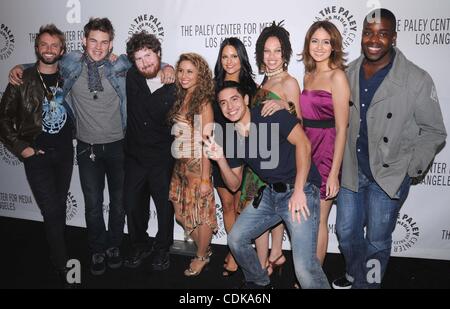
point(225, 261)
point(229, 272)
point(190, 272)
point(273, 266)
point(209, 253)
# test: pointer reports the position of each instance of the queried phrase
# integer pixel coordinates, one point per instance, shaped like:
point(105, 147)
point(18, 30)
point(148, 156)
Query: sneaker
point(113, 257)
point(137, 256)
point(342, 283)
point(98, 265)
point(160, 260)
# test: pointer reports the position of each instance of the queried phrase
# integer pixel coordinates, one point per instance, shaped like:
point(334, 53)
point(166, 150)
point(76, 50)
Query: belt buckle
point(280, 187)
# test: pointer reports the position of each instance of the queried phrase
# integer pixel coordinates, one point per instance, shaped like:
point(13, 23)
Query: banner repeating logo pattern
point(148, 23)
point(343, 19)
point(7, 42)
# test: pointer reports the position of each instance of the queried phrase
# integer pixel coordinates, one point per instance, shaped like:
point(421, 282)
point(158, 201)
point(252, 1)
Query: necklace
point(48, 93)
point(275, 72)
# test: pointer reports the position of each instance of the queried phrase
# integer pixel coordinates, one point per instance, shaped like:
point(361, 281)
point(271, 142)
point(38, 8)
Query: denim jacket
point(71, 65)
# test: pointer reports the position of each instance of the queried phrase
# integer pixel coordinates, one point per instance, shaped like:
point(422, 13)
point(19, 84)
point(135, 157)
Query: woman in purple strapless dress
point(324, 106)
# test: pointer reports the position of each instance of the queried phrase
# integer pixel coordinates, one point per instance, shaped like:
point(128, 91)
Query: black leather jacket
point(21, 113)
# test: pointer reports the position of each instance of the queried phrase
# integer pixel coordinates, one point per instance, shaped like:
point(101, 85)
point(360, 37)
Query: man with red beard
point(36, 125)
point(148, 159)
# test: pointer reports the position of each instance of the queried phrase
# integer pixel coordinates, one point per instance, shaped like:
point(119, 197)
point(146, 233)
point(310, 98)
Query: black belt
point(281, 187)
point(309, 123)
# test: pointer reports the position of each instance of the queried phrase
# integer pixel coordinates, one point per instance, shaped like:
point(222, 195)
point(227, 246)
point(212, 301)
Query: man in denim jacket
point(395, 129)
point(94, 91)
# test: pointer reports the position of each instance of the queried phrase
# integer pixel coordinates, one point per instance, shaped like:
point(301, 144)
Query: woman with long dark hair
point(232, 64)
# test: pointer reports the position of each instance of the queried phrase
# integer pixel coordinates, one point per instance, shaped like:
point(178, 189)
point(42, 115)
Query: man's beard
point(45, 61)
point(150, 74)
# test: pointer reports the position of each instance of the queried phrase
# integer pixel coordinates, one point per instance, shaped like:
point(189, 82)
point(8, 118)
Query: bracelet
point(205, 181)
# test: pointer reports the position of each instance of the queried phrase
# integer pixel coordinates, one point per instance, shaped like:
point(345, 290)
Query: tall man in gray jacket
point(395, 129)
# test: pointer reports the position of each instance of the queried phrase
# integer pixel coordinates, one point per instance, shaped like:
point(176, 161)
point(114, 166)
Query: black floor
point(24, 263)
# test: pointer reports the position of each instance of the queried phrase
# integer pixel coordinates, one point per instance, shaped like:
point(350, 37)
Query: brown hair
point(336, 59)
point(141, 40)
point(52, 30)
point(203, 92)
point(100, 24)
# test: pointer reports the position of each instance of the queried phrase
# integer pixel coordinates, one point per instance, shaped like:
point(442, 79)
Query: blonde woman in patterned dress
point(191, 189)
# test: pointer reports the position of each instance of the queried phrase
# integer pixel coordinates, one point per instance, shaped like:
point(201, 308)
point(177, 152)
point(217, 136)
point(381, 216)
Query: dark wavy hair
point(336, 59)
point(203, 92)
point(142, 40)
point(282, 35)
point(100, 24)
point(246, 76)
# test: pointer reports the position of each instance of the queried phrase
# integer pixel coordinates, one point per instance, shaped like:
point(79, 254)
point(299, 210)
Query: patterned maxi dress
point(186, 178)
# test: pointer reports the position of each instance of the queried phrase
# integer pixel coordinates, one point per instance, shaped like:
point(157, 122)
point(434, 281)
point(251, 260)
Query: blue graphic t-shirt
point(56, 123)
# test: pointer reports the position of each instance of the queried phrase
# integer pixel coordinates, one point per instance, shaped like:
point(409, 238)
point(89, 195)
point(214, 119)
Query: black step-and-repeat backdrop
point(423, 226)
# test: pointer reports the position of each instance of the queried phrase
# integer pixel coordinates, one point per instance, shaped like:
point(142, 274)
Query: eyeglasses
point(258, 197)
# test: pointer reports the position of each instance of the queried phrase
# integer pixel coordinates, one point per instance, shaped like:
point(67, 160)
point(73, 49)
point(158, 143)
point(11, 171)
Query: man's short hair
point(52, 30)
point(232, 84)
point(142, 40)
point(100, 24)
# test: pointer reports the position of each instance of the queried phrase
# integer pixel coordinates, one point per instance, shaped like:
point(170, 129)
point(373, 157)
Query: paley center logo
point(72, 206)
point(149, 23)
point(7, 157)
point(343, 19)
point(406, 233)
point(221, 232)
point(7, 42)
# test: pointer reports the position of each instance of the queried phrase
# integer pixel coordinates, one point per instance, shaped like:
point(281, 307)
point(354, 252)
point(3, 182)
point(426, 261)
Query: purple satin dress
point(318, 105)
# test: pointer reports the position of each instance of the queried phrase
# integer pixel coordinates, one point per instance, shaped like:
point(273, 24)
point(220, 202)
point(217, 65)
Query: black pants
point(141, 183)
point(49, 177)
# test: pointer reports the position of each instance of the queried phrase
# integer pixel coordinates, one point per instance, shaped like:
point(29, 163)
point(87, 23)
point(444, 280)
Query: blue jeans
point(367, 256)
point(272, 209)
point(109, 161)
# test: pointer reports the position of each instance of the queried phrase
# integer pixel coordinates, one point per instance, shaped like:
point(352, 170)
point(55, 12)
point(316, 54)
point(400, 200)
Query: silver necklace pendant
point(95, 95)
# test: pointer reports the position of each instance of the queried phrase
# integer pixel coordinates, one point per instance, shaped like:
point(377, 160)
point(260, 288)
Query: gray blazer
point(405, 126)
